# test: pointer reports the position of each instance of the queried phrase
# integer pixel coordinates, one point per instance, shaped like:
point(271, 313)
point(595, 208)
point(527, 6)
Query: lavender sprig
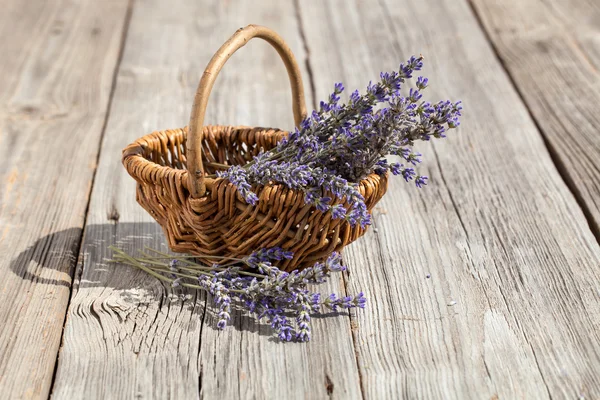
point(340, 144)
point(254, 284)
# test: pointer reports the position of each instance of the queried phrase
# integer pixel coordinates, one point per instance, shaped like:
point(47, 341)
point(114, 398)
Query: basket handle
point(196, 179)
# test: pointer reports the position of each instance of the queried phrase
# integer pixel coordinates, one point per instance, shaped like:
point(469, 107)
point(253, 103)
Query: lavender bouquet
point(254, 283)
point(340, 144)
point(331, 151)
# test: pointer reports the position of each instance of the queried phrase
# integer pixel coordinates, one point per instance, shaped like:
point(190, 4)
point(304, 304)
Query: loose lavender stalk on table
point(340, 144)
point(254, 283)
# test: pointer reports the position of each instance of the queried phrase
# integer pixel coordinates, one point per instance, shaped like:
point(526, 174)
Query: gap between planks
point(78, 265)
point(344, 277)
point(558, 163)
point(103, 201)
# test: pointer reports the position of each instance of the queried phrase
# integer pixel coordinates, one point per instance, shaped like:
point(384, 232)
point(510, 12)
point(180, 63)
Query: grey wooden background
point(508, 228)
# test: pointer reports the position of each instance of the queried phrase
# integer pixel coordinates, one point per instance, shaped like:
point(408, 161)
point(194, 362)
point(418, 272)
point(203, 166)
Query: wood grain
point(128, 336)
point(58, 63)
point(551, 50)
point(511, 308)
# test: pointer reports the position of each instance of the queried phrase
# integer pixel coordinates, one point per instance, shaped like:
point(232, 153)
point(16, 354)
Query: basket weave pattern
point(221, 223)
point(204, 215)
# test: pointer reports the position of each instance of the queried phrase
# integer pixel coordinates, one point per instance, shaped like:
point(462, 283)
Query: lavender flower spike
point(341, 143)
point(272, 295)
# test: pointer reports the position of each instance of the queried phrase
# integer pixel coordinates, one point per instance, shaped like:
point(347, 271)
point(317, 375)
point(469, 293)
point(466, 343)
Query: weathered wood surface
point(125, 335)
point(552, 51)
point(497, 229)
point(57, 66)
point(511, 308)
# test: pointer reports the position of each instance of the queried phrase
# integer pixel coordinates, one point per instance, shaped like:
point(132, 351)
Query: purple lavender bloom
point(315, 302)
point(390, 80)
point(377, 92)
point(355, 97)
point(280, 324)
point(239, 177)
point(413, 158)
point(337, 185)
point(396, 168)
point(315, 117)
point(324, 107)
point(403, 152)
point(457, 107)
point(360, 300)
point(303, 321)
point(332, 302)
point(277, 253)
point(299, 176)
point(338, 211)
point(264, 255)
point(322, 203)
point(311, 195)
point(222, 298)
point(340, 144)
point(366, 220)
point(347, 302)
point(224, 315)
point(408, 174)
point(414, 95)
point(305, 124)
point(381, 167)
point(359, 215)
point(420, 181)
point(334, 262)
point(222, 324)
point(425, 109)
point(439, 131)
point(265, 267)
point(415, 63)
point(272, 294)
point(314, 274)
point(284, 333)
point(453, 123)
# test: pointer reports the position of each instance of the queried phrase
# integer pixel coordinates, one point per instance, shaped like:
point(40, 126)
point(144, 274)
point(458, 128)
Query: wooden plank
point(128, 336)
point(551, 50)
point(58, 62)
point(497, 229)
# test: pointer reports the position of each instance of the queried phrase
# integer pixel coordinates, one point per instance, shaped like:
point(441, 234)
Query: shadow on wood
point(95, 273)
point(59, 251)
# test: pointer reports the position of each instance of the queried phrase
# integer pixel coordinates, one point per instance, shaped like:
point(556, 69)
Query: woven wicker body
point(204, 215)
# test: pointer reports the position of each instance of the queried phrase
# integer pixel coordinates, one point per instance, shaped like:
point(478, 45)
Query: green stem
point(139, 265)
point(192, 267)
point(128, 260)
point(202, 256)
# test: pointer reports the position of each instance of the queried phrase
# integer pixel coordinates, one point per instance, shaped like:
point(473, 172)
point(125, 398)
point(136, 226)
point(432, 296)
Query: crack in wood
point(560, 165)
point(311, 80)
point(126, 20)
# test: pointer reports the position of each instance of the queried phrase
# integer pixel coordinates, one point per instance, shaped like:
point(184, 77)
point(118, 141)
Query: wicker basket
point(204, 215)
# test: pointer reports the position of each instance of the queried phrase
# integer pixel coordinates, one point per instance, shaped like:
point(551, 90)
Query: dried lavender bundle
point(340, 144)
point(255, 284)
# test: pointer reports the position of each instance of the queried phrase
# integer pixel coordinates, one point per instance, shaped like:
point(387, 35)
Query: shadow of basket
point(56, 258)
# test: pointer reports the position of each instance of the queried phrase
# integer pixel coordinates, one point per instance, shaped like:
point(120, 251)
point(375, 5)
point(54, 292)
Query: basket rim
point(134, 161)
